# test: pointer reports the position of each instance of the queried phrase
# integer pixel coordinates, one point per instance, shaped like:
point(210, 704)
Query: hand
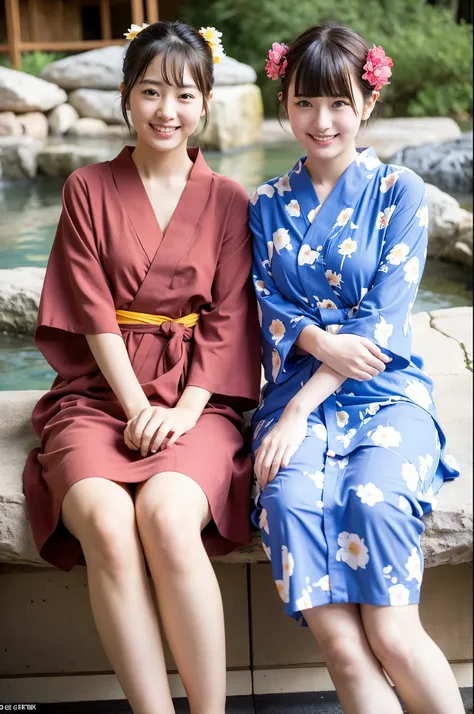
point(352, 356)
point(158, 428)
point(279, 445)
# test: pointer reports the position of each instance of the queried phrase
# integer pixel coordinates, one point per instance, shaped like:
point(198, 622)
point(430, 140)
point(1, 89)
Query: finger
point(138, 424)
point(173, 439)
point(375, 350)
point(362, 376)
point(165, 430)
point(148, 435)
point(257, 467)
point(128, 442)
point(268, 462)
point(276, 464)
point(287, 454)
point(375, 363)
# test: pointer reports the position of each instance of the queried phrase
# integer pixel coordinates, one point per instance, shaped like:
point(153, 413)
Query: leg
point(100, 514)
point(171, 512)
point(412, 660)
point(360, 682)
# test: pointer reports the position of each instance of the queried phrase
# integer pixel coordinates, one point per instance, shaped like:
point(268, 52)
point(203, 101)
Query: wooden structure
point(38, 24)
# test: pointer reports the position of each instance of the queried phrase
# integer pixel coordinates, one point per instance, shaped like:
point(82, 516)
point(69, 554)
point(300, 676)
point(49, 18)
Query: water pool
point(30, 211)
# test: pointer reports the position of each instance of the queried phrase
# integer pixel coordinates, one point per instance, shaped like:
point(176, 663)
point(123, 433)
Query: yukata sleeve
point(281, 319)
point(226, 356)
point(76, 299)
point(383, 314)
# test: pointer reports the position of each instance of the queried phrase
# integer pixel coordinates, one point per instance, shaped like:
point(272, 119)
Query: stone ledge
point(443, 338)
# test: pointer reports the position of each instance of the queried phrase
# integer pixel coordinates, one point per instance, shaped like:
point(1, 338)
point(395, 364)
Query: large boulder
point(21, 92)
point(96, 69)
point(62, 160)
point(18, 156)
point(61, 119)
point(231, 71)
point(98, 104)
point(450, 228)
point(236, 113)
point(9, 124)
point(20, 292)
point(447, 164)
point(34, 124)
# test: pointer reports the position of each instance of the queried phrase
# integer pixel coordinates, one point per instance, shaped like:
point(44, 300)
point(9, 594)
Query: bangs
point(175, 57)
point(324, 71)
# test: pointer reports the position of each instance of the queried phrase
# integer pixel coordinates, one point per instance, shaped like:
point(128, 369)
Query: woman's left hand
point(158, 428)
point(279, 445)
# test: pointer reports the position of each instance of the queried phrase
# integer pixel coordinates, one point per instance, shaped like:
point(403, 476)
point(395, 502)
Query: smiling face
point(165, 111)
point(327, 126)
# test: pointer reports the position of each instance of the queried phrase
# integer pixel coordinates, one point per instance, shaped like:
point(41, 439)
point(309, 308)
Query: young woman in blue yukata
point(348, 451)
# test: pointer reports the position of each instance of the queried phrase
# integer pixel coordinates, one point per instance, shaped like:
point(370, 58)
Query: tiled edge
point(317, 679)
point(96, 687)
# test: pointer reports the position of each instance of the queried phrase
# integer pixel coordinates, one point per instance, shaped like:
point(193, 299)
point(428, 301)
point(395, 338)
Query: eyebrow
point(160, 84)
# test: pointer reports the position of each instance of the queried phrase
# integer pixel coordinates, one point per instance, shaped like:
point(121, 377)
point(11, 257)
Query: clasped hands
point(155, 428)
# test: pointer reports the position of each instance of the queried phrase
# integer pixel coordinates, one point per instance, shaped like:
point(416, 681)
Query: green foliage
point(432, 54)
point(33, 62)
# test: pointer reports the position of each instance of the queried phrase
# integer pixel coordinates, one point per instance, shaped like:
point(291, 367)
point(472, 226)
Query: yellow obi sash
point(124, 317)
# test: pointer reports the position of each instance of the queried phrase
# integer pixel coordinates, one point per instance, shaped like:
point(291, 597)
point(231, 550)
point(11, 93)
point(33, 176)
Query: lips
point(169, 130)
point(326, 139)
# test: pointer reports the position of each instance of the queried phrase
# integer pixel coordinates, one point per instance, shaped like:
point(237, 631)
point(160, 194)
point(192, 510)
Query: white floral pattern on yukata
point(342, 523)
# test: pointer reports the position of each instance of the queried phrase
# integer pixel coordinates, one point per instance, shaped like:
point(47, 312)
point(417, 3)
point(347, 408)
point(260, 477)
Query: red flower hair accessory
point(276, 62)
point(377, 68)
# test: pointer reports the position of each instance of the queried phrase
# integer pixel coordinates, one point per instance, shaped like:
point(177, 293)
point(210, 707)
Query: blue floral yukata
point(342, 523)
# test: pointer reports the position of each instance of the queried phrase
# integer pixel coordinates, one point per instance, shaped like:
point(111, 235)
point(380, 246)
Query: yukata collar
point(346, 191)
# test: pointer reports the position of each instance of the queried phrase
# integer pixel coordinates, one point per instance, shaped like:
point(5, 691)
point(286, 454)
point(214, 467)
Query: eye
point(186, 96)
point(303, 103)
point(340, 103)
point(150, 93)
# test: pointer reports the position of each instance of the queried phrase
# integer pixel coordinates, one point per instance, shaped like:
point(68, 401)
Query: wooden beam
point(33, 20)
point(137, 12)
point(14, 31)
point(105, 20)
point(151, 11)
point(70, 46)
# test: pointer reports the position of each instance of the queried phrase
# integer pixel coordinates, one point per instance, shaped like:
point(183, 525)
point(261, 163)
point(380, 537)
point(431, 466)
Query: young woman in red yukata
point(149, 319)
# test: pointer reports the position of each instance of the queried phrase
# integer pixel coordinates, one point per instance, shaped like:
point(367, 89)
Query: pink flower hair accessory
point(377, 68)
point(276, 62)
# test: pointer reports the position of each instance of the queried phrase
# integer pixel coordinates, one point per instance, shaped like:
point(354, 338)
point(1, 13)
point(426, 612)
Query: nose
point(166, 109)
point(322, 120)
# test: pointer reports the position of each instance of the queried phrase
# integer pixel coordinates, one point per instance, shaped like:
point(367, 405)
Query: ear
point(369, 106)
point(122, 87)
point(280, 99)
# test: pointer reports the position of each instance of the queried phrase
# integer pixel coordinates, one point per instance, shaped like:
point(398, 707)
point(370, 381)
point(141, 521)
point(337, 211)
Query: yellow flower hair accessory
point(133, 31)
point(213, 39)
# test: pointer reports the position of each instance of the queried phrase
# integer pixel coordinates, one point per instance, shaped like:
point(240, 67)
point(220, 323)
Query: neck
point(327, 173)
point(153, 164)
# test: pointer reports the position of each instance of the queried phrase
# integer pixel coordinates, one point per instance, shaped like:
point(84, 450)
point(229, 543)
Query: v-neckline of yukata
point(139, 209)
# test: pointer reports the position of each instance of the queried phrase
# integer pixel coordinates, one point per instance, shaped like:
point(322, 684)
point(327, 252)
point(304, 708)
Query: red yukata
point(109, 254)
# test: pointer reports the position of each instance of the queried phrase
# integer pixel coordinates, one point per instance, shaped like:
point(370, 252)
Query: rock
point(61, 119)
point(20, 292)
point(450, 228)
point(9, 124)
point(98, 104)
point(236, 114)
point(96, 69)
point(21, 92)
point(34, 124)
point(231, 71)
point(64, 159)
point(448, 536)
point(447, 164)
point(18, 156)
point(88, 127)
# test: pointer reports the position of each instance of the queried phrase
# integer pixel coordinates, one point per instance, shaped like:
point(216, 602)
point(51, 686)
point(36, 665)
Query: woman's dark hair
point(322, 60)
point(178, 44)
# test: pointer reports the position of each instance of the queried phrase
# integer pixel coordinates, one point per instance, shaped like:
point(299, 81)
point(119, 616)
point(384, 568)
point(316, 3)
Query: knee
point(280, 499)
point(169, 530)
point(109, 537)
point(344, 654)
point(393, 645)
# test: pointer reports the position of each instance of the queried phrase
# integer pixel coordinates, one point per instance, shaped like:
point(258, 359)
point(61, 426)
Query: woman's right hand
point(352, 356)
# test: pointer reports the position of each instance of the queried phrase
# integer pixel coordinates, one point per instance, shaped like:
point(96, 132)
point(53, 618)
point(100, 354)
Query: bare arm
point(111, 355)
point(322, 384)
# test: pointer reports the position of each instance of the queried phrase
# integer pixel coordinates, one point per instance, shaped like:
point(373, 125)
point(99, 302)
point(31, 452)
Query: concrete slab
point(455, 322)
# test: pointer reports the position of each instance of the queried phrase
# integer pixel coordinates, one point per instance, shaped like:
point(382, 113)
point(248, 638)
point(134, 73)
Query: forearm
point(322, 384)
point(311, 339)
point(111, 355)
point(194, 399)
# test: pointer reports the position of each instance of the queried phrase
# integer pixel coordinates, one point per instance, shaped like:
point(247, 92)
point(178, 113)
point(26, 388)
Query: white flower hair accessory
point(213, 39)
point(134, 30)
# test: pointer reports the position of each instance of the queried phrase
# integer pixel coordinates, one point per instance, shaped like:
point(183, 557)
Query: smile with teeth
point(164, 129)
point(323, 139)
